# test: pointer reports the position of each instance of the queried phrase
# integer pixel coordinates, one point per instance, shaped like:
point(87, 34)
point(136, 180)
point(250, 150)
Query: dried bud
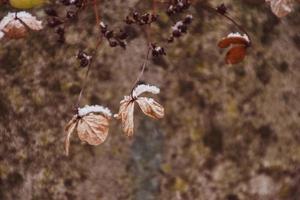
point(54, 21)
point(103, 27)
point(128, 20)
point(122, 44)
point(71, 15)
point(50, 12)
point(109, 34)
point(145, 18)
point(136, 16)
point(113, 43)
point(84, 58)
point(188, 19)
point(176, 33)
point(122, 35)
point(222, 9)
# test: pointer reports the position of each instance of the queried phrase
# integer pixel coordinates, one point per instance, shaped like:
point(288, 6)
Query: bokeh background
point(230, 132)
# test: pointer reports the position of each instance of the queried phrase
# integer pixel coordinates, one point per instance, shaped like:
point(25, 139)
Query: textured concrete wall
point(230, 132)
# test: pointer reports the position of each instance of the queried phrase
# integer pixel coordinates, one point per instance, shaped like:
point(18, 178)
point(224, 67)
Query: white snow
point(237, 34)
point(145, 88)
point(93, 109)
point(7, 19)
point(1, 35)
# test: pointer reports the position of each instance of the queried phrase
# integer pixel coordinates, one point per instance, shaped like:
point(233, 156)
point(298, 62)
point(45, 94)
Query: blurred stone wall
point(230, 132)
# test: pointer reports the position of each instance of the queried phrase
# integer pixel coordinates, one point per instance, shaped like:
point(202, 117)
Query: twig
point(96, 13)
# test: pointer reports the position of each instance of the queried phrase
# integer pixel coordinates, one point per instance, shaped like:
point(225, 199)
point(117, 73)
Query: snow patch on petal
point(1, 35)
point(237, 34)
point(30, 20)
point(94, 109)
point(7, 19)
point(145, 88)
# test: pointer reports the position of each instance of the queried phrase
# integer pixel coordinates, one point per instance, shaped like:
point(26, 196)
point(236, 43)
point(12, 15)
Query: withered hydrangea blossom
point(239, 44)
point(281, 8)
point(148, 105)
point(91, 124)
point(15, 25)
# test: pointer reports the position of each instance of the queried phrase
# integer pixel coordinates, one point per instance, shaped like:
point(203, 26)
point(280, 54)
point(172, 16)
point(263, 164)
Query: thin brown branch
point(85, 79)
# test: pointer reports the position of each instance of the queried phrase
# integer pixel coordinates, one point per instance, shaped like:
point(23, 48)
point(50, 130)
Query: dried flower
point(180, 28)
point(84, 58)
point(91, 124)
point(239, 44)
point(281, 8)
point(148, 105)
point(16, 25)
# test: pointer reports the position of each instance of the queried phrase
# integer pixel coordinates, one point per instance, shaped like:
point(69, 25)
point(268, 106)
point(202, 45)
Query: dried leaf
point(235, 55)
point(126, 115)
point(70, 127)
point(91, 124)
point(16, 25)
point(281, 8)
point(150, 107)
point(93, 128)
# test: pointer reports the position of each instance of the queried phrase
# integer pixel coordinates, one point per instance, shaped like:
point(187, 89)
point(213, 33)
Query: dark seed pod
point(136, 16)
point(54, 21)
point(176, 33)
point(122, 35)
point(113, 43)
point(60, 30)
point(50, 12)
point(222, 9)
point(188, 19)
point(71, 15)
point(109, 34)
point(128, 20)
point(84, 58)
point(122, 44)
point(182, 28)
point(103, 27)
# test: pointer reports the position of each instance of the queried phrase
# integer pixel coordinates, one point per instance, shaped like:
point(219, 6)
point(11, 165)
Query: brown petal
point(126, 115)
point(31, 22)
point(15, 30)
point(93, 128)
point(150, 107)
point(70, 127)
point(281, 8)
point(236, 55)
point(227, 41)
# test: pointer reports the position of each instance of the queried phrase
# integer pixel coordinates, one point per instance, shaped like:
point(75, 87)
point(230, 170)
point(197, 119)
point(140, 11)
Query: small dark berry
point(71, 15)
point(122, 35)
point(136, 16)
point(50, 11)
point(113, 43)
point(188, 19)
point(109, 34)
point(176, 33)
point(122, 44)
point(54, 21)
point(222, 9)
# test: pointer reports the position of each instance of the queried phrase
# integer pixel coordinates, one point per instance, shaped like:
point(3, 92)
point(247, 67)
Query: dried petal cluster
point(114, 39)
point(239, 44)
point(281, 8)
point(180, 28)
point(178, 6)
point(91, 124)
point(15, 25)
point(148, 105)
point(141, 19)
